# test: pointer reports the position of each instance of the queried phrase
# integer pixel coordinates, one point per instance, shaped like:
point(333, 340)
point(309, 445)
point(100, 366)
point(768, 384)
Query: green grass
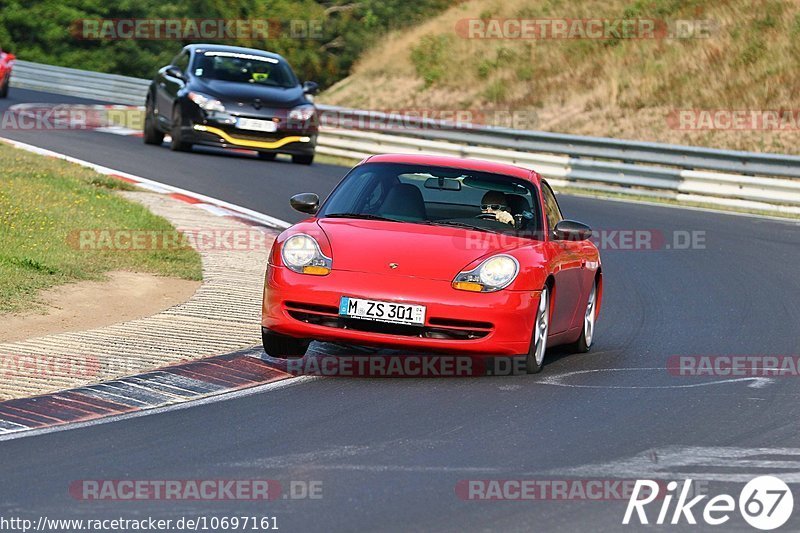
point(42, 202)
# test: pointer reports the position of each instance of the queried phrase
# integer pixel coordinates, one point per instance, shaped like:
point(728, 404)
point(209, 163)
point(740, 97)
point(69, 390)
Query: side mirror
point(571, 230)
point(306, 202)
point(174, 72)
point(310, 87)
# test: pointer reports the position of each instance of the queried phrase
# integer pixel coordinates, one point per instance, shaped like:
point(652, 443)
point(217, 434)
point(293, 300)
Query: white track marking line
point(211, 204)
point(557, 380)
point(161, 187)
point(213, 397)
point(689, 462)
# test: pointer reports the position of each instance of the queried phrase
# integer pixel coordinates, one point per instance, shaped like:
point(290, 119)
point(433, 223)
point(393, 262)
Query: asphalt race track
point(389, 452)
point(248, 182)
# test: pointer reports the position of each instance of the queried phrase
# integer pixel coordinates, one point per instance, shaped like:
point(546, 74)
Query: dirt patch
point(93, 304)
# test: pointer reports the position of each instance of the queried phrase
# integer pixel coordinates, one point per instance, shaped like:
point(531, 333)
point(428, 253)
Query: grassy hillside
point(617, 87)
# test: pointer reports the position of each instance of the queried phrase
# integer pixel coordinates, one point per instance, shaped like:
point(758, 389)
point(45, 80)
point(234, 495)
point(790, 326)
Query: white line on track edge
point(243, 211)
point(214, 397)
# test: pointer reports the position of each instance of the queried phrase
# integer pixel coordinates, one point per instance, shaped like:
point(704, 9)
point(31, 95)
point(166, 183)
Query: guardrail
point(81, 83)
point(750, 180)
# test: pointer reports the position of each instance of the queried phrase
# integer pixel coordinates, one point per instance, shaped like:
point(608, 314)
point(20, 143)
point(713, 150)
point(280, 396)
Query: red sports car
point(437, 254)
point(6, 62)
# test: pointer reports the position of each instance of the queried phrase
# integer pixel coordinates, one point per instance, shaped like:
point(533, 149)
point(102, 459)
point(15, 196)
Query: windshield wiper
point(365, 216)
point(459, 225)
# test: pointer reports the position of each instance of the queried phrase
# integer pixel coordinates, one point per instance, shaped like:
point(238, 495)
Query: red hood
point(430, 252)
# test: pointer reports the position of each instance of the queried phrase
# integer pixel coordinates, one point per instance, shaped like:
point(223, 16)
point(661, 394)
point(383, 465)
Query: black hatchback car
point(232, 97)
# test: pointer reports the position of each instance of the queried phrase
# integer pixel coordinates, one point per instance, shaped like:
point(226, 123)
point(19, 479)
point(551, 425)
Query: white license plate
point(382, 311)
point(256, 125)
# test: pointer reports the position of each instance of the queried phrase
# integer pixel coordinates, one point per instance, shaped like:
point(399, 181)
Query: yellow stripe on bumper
point(252, 144)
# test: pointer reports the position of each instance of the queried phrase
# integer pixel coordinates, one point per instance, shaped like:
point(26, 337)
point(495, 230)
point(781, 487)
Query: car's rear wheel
point(267, 156)
point(152, 135)
point(303, 159)
point(4, 87)
point(535, 358)
point(178, 144)
point(283, 346)
point(584, 343)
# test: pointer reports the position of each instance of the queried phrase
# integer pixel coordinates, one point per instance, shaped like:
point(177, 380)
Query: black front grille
point(439, 328)
point(312, 308)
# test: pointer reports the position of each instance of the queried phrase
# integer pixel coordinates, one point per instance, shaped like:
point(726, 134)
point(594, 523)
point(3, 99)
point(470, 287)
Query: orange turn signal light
point(467, 286)
point(316, 270)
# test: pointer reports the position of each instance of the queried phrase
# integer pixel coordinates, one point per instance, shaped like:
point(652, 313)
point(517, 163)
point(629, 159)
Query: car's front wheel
point(267, 156)
point(152, 135)
point(535, 358)
point(4, 87)
point(283, 346)
point(178, 144)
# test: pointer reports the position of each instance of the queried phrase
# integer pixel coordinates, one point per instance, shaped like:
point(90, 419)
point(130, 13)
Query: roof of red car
point(457, 162)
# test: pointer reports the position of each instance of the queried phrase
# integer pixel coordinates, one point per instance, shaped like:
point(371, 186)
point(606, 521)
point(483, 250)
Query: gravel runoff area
point(221, 317)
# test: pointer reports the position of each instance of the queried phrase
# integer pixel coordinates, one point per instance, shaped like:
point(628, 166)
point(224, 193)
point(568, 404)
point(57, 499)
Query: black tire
point(267, 156)
point(4, 88)
point(178, 143)
point(531, 364)
point(152, 135)
point(304, 159)
point(585, 341)
point(283, 346)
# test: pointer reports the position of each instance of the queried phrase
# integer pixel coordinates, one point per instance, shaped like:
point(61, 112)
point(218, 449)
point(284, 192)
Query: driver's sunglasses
point(492, 207)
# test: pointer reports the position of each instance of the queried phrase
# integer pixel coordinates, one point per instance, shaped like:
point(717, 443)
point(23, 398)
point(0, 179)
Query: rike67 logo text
point(765, 503)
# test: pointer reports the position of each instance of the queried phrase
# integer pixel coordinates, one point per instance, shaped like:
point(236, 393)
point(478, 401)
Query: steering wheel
point(486, 216)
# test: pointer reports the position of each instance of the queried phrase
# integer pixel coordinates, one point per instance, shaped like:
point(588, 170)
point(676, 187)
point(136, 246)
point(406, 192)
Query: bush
point(41, 30)
point(429, 57)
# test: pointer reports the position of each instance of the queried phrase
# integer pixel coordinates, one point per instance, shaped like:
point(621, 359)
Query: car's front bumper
point(305, 306)
point(290, 142)
point(219, 130)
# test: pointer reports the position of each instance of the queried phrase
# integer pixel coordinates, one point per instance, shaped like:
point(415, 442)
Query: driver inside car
point(494, 202)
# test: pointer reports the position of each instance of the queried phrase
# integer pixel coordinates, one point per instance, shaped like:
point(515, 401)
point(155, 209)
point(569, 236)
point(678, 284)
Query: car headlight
point(494, 274)
point(206, 103)
point(302, 113)
point(301, 254)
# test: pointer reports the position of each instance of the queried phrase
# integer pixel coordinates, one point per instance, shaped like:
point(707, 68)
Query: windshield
point(425, 194)
point(244, 68)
